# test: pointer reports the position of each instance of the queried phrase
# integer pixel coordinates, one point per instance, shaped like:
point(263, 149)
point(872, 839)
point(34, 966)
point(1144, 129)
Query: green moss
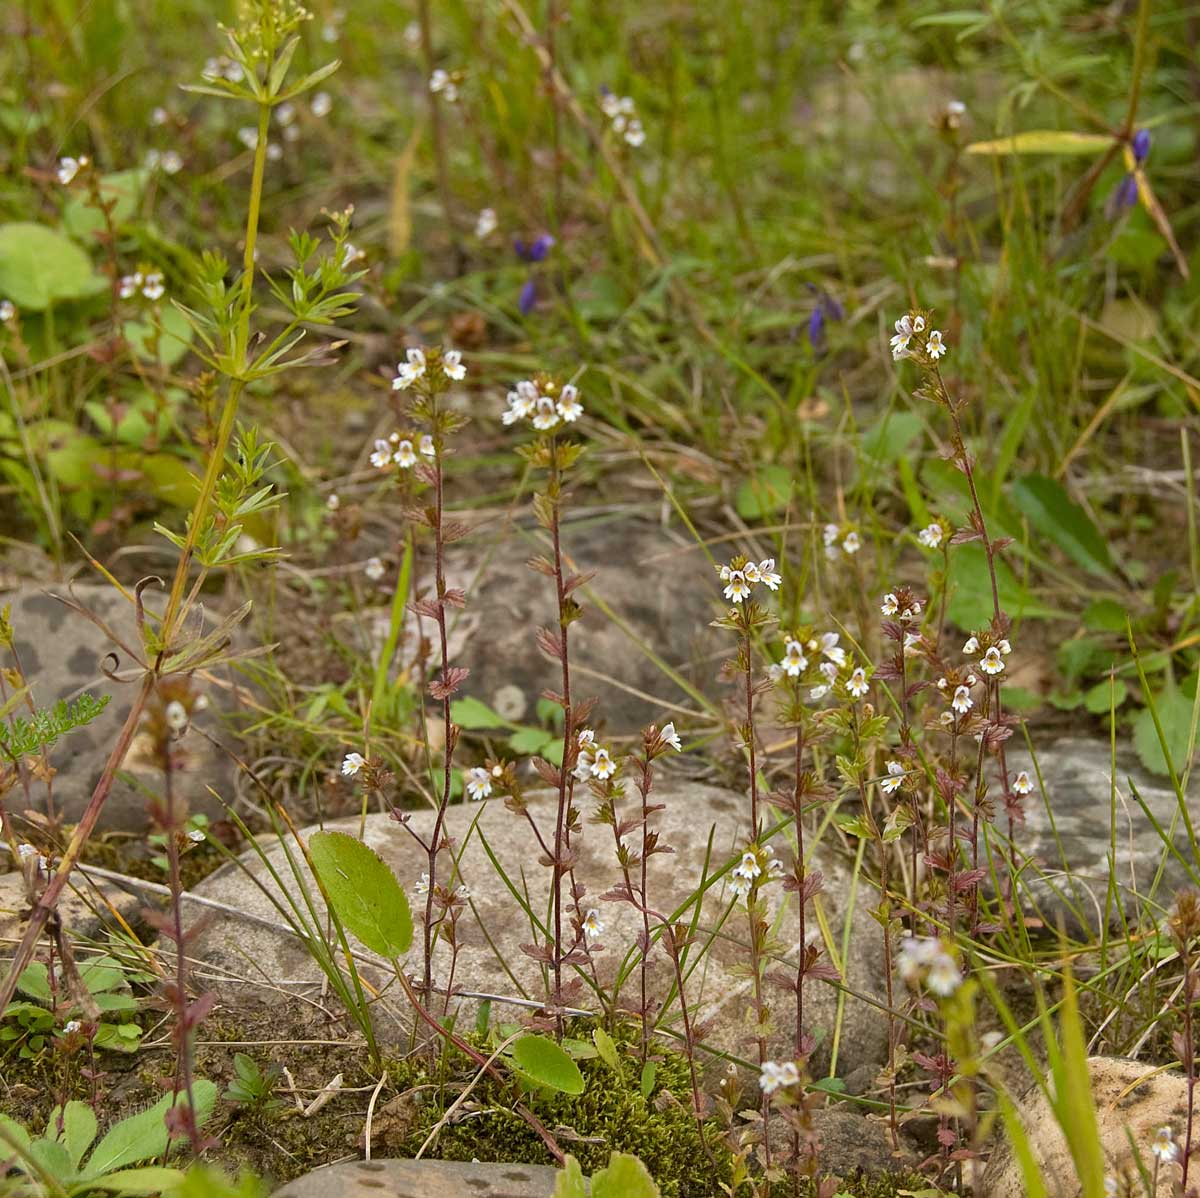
point(888, 1185)
point(610, 1115)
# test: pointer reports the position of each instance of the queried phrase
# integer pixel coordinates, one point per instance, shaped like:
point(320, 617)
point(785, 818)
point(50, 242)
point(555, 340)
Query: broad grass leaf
point(764, 493)
point(970, 603)
point(544, 1062)
point(78, 1130)
point(624, 1177)
point(39, 267)
point(148, 1181)
point(1055, 515)
point(1175, 715)
point(1044, 141)
point(143, 1136)
point(363, 892)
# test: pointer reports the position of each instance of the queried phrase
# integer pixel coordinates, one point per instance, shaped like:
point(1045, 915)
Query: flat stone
point(716, 990)
point(1131, 1099)
point(612, 656)
point(422, 1179)
point(1087, 818)
point(61, 654)
point(87, 906)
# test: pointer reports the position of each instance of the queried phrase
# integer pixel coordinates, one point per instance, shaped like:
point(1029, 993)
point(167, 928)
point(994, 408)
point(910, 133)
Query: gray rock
point(661, 591)
point(1131, 1099)
point(1069, 835)
point(62, 653)
point(86, 907)
point(422, 1179)
point(715, 989)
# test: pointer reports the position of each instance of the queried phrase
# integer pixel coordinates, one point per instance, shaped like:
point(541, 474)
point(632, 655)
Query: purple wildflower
point(1124, 196)
point(536, 250)
point(528, 297)
point(1141, 146)
point(826, 310)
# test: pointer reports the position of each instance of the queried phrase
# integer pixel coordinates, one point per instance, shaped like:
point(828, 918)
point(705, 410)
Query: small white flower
point(545, 415)
point(153, 160)
point(931, 535)
point(748, 867)
point(172, 162)
point(738, 588)
point(352, 763)
point(972, 645)
point(767, 574)
point(944, 976)
point(440, 83)
point(962, 701)
point(829, 670)
point(1005, 647)
point(778, 1075)
point(485, 223)
point(408, 372)
point(153, 288)
point(991, 662)
point(7, 311)
point(452, 366)
point(889, 606)
point(479, 783)
point(462, 893)
point(322, 104)
point(68, 168)
point(830, 535)
point(934, 344)
point(427, 447)
point(586, 737)
point(129, 285)
point(911, 641)
point(794, 661)
point(159, 116)
point(568, 406)
point(405, 456)
point(1164, 1147)
point(25, 851)
point(851, 543)
point(603, 765)
point(635, 135)
point(668, 736)
point(915, 954)
point(895, 778)
point(422, 887)
point(176, 716)
point(71, 1026)
point(412, 35)
point(831, 650)
point(332, 503)
point(903, 335)
point(818, 693)
point(374, 569)
point(196, 835)
point(248, 136)
point(592, 924)
point(285, 113)
point(381, 459)
point(1022, 783)
point(739, 886)
point(857, 684)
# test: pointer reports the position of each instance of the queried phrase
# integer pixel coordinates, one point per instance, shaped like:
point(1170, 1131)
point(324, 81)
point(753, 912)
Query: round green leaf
point(363, 892)
point(39, 266)
point(545, 1063)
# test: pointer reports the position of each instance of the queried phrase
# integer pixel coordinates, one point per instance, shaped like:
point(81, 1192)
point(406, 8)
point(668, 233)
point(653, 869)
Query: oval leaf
point(363, 892)
point(1055, 515)
point(143, 1136)
point(39, 266)
point(625, 1177)
point(545, 1063)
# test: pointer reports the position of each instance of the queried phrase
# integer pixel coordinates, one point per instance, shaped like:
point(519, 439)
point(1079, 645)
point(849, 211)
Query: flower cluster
point(902, 605)
point(741, 574)
point(778, 1075)
point(813, 661)
point(758, 862)
point(68, 168)
point(994, 652)
point(223, 68)
point(840, 540)
point(911, 341)
point(622, 113)
point(957, 688)
point(445, 84)
point(170, 162)
point(922, 959)
point(543, 403)
point(479, 781)
point(149, 284)
point(444, 364)
point(593, 760)
point(399, 451)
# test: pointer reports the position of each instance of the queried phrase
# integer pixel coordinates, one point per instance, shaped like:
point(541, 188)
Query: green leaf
point(35, 981)
point(764, 493)
point(528, 741)
point(606, 1046)
point(363, 892)
point(625, 1177)
point(649, 1074)
point(1105, 615)
point(970, 603)
point(1052, 512)
point(78, 1131)
point(474, 714)
point(39, 267)
point(1044, 141)
point(15, 1132)
point(890, 439)
point(570, 1183)
point(144, 1135)
point(83, 220)
point(545, 1063)
point(1175, 716)
point(174, 337)
point(1103, 697)
point(150, 1180)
